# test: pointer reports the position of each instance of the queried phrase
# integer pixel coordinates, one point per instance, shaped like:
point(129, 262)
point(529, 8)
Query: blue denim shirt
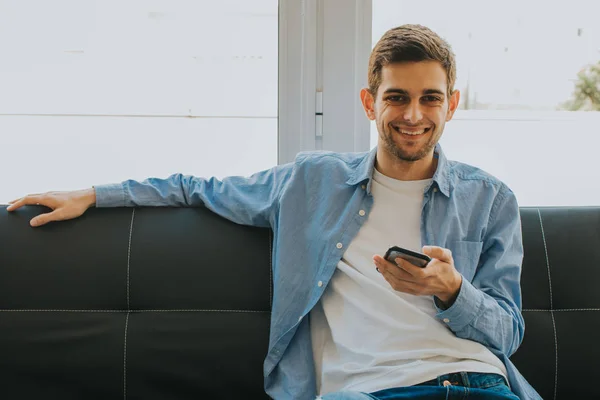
point(313, 207)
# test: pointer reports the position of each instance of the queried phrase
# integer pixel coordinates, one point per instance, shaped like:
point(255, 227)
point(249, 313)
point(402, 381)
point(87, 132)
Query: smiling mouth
point(411, 132)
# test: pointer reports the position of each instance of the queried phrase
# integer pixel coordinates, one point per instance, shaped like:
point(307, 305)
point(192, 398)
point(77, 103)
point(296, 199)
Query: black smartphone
point(418, 259)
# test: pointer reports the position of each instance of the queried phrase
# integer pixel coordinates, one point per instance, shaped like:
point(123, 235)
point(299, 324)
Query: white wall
point(39, 154)
point(99, 91)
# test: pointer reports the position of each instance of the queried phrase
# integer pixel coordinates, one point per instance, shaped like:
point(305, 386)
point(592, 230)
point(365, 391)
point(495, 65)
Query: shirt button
point(361, 213)
point(446, 320)
point(339, 245)
point(435, 189)
point(363, 186)
point(320, 283)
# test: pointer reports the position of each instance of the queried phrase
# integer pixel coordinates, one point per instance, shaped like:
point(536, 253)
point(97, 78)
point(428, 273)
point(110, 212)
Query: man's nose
point(412, 113)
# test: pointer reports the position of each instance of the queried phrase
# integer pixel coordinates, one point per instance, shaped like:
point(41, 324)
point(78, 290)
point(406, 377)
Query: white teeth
point(412, 133)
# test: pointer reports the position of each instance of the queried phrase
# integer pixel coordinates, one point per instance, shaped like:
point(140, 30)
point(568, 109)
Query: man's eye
point(396, 99)
point(431, 98)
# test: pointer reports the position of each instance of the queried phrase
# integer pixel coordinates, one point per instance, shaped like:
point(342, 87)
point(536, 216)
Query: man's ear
point(368, 103)
point(453, 104)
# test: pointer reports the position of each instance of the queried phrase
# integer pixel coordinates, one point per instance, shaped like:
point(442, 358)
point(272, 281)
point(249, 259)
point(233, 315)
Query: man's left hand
point(439, 278)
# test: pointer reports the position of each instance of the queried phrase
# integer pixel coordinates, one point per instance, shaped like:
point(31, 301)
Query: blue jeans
point(458, 385)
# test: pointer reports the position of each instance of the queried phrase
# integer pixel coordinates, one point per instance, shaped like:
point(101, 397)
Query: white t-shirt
point(365, 335)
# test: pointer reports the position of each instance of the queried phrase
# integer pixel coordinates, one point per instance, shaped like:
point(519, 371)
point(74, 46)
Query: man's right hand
point(64, 205)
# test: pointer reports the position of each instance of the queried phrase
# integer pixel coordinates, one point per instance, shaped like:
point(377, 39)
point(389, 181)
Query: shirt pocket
point(466, 257)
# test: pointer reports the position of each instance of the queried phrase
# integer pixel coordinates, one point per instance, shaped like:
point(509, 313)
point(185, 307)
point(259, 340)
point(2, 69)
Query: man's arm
point(488, 310)
point(248, 201)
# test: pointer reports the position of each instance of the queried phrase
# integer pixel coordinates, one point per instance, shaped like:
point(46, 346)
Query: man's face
point(411, 108)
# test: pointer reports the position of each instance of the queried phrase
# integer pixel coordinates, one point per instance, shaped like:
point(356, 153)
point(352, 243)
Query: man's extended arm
point(247, 201)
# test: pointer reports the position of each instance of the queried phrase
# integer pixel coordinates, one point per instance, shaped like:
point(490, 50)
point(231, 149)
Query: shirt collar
point(364, 171)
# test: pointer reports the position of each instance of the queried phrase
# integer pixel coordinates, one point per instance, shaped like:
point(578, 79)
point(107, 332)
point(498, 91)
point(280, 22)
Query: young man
point(347, 324)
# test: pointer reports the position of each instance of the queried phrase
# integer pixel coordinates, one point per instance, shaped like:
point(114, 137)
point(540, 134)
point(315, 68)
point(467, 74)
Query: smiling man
point(346, 323)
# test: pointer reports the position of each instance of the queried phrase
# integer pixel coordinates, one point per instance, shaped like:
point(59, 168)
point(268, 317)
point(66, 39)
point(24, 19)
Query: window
point(520, 67)
point(101, 91)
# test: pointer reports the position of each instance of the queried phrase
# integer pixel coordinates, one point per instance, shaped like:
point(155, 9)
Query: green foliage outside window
point(586, 95)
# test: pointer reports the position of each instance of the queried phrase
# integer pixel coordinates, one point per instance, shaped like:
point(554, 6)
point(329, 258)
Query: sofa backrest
point(135, 304)
point(561, 302)
point(175, 303)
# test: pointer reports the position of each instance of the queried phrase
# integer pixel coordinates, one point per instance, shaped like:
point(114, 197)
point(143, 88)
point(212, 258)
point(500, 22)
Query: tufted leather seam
point(129, 255)
point(551, 306)
point(125, 358)
point(128, 308)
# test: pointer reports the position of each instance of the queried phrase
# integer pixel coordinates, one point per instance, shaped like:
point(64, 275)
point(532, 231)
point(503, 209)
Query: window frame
point(312, 59)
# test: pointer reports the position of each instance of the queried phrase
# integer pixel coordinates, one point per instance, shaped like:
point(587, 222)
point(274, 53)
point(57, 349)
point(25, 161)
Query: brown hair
point(410, 43)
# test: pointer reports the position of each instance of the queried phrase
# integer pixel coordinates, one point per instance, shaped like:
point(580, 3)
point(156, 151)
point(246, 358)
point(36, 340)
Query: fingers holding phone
point(421, 274)
point(439, 253)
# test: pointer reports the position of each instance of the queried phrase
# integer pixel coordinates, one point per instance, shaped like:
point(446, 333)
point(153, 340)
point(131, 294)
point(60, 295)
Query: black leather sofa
point(155, 303)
